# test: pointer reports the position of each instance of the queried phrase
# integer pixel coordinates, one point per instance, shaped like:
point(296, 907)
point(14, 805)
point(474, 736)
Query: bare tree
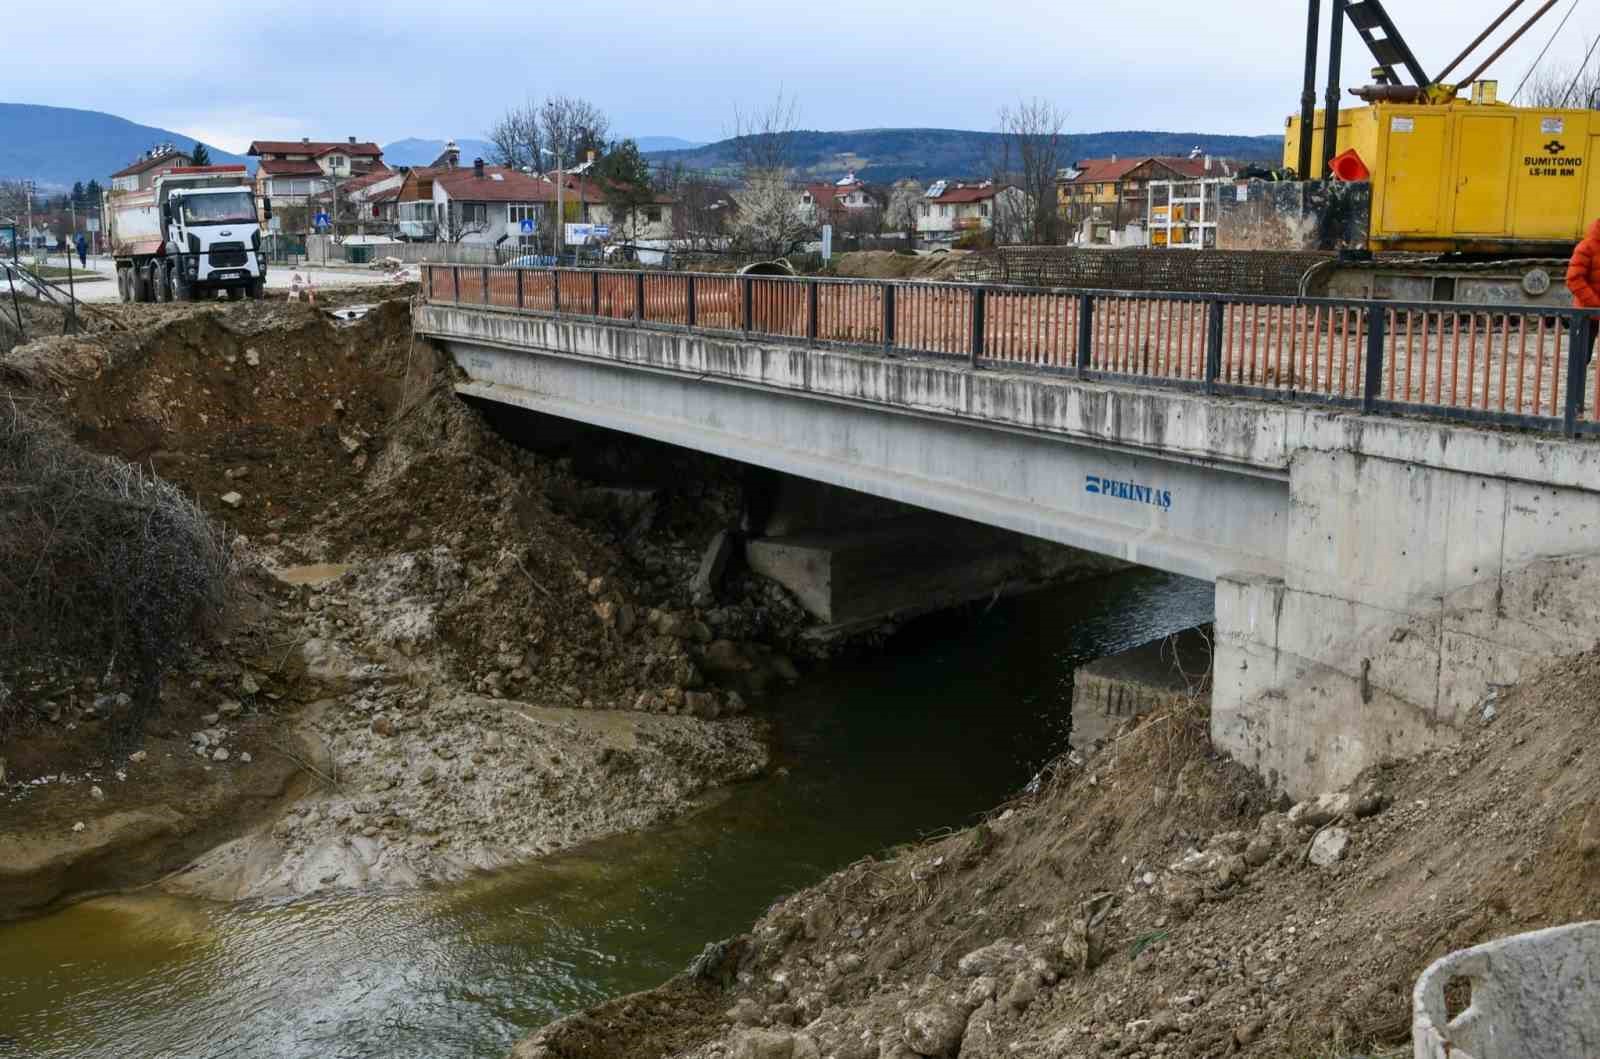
point(764, 138)
point(1027, 154)
point(700, 208)
point(1562, 86)
point(905, 206)
point(517, 138)
point(457, 220)
point(771, 219)
point(571, 127)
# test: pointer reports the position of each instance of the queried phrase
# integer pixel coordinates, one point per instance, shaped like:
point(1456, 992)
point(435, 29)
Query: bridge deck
point(1502, 364)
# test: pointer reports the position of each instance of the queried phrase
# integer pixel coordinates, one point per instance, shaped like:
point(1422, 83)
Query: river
point(953, 717)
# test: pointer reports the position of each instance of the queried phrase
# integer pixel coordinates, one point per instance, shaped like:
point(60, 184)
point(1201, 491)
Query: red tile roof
point(274, 167)
point(314, 148)
point(382, 172)
point(511, 186)
point(968, 193)
point(1104, 170)
point(144, 164)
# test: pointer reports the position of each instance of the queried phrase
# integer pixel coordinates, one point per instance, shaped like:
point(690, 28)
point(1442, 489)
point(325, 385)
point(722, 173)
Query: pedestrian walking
point(83, 251)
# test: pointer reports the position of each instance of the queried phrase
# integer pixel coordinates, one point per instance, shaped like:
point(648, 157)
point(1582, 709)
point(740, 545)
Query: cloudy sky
point(230, 73)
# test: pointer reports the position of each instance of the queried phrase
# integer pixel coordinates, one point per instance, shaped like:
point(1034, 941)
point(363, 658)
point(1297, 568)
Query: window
point(518, 212)
point(983, 209)
point(652, 214)
point(336, 161)
point(926, 209)
point(473, 212)
point(416, 211)
point(944, 210)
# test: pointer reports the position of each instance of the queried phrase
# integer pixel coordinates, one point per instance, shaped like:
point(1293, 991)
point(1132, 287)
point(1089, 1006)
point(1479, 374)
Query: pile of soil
point(1154, 901)
point(886, 264)
point(413, 579)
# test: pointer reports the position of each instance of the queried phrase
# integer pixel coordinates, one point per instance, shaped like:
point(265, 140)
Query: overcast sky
point(230, 73)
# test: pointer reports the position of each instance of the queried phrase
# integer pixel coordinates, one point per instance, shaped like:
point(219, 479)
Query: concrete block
point(1152, 676)
point(713, 564)
point(1532, 994)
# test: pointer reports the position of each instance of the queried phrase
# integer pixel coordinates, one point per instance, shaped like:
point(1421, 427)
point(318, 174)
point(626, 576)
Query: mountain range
point(59, 145)
point(886, 155)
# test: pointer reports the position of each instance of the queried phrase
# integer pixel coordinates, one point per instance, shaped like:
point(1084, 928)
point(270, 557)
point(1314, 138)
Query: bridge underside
point(1184, 514)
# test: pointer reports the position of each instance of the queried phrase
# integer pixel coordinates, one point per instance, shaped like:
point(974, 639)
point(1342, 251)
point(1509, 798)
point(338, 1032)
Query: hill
point(414, 151)
point(885, 155)
point(58, 145)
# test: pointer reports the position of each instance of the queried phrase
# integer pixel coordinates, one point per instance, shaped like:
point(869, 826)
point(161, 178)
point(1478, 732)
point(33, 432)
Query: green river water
point(952, 718)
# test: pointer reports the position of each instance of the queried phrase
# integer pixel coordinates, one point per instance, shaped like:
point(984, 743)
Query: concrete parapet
point(1534, 994)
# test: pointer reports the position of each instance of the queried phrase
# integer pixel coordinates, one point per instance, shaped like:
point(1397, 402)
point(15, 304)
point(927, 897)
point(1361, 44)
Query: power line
point(1579, 75)
point(1546, 48)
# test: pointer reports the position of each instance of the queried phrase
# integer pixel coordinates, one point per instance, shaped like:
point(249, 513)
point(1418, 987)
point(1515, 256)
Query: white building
point(950, 210)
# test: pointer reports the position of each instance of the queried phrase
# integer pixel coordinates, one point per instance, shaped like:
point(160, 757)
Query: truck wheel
point(124, 295)
point(161, 276)
point(181, 290)
point(139, 280)
point(236, 294)
point(258, 288)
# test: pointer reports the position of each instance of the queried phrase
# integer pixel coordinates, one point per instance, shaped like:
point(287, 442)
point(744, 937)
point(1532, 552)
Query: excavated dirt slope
point(1152, 901)
point(432, 631)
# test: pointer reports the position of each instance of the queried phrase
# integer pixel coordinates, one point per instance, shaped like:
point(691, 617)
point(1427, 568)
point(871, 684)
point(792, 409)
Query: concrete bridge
point(1399, 504)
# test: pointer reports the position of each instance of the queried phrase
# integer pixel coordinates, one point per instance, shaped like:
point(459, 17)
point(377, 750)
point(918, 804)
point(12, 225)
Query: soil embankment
point(432, 635)
point(1153, 901)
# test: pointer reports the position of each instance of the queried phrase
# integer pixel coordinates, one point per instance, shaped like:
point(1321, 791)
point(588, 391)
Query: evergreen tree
point(200, 155)
point(78, 193)
point(93, 192)
point(625, 182)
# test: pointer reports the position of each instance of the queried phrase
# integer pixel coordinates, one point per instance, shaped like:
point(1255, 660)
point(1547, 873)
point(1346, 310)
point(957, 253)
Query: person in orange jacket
point(1583, 276)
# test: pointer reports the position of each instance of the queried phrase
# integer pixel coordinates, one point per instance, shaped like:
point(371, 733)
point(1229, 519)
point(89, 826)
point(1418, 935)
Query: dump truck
point(193, 233)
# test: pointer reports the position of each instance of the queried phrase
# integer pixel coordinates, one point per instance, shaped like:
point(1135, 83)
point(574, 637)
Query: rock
point(245, 758)
point(713, 564)
point(229, 709)
point(1259, 851)
point(606, 611)
point(248, 685)
point(597, 587)
point(137, 756)
point(1324, 810)
point(252, 358)
point(745, 1012)
point(210, 719)
point(351, 445)
point(232, 499)
point(427, 775)
point(199, 739)
point(1248, 1033)
point(762, 1044)
point(702, 704)
point(383, 725)
point(1329, 847)
point(1371, 804)
point(1589, 833)
point(735, 704)
point(627, 619)
point(1023, 991)
point(97, 794)
point(995, 959)
point(78, 827)
point(935, 1030)
point(220, 755)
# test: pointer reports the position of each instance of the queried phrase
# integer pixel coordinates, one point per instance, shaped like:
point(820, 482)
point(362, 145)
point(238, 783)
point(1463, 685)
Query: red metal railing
point(1519, 365)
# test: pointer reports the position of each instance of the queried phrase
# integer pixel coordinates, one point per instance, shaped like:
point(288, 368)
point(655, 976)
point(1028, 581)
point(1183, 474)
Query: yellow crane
point(1468, 198)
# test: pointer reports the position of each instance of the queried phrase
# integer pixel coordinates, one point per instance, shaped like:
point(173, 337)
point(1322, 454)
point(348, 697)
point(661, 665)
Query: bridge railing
point(1523, 366)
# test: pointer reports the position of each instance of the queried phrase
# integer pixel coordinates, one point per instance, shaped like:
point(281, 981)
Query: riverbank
point(1152, 899)
point(418, 680)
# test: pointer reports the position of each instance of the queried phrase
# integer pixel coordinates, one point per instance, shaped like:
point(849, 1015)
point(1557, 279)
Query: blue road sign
point(527, 226)
point(321, 220)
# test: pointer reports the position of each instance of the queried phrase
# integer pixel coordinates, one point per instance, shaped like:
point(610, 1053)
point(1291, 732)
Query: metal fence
point(1508, 365)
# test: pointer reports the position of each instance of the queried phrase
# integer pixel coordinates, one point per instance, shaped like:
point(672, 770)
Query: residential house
point(651, 221)
point(142, 174)
point(1110, 193)
point(835, 203)
point(482, 204)
point(950, 210)
point(292, 172)
point(364, 200)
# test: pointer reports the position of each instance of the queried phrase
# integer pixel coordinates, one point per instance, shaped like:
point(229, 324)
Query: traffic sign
point(601, 231)
point(321, 220)
point(527, 226)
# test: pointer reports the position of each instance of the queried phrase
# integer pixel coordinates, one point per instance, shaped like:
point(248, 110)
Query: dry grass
point(105, 568)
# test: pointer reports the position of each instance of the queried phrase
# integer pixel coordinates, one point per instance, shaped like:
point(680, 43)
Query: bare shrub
point(104, 567)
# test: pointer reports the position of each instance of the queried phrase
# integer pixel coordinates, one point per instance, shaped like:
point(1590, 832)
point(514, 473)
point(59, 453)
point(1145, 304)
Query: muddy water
point(957, 714)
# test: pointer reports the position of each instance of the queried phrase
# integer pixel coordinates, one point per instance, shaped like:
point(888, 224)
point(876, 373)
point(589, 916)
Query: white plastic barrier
point(1535, 994)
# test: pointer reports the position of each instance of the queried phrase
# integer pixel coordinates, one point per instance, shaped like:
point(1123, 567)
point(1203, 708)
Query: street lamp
point(561, 216)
